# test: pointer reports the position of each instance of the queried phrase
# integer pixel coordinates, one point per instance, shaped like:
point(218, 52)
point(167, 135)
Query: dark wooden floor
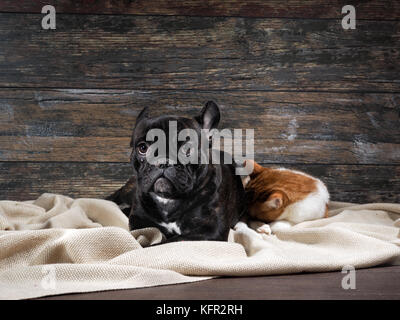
point(374, 284)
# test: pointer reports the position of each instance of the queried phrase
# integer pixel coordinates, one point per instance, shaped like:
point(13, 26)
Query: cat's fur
point(283, 197)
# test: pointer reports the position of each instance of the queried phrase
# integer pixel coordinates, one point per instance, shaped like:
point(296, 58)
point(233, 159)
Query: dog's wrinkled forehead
point(163, 123)
point(207, 119)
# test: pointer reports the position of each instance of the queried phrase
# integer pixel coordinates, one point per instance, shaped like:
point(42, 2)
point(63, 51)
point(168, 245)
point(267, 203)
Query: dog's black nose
point(168, 163)
point(163, 165)
point(176, 165)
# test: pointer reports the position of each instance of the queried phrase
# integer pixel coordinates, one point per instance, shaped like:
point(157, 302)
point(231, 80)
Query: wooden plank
point(27, 180)
point(267, 150)
point(136, 52)
point(379, 283)
point(372, 9)
point(290, 127)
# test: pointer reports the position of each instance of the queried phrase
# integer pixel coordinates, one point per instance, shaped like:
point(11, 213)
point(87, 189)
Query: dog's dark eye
point(142, 148)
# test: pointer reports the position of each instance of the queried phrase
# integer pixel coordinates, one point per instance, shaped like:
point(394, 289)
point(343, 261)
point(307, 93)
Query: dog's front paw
point(240, 226)
point(265, 228)
point(243, 228)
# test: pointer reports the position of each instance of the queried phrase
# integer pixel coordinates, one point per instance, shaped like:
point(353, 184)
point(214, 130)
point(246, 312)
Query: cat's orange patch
point(326, 212)
point(267, 185)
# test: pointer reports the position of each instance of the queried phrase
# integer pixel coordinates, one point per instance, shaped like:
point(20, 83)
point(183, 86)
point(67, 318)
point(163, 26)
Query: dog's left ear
point(209, 116)
point(142, 115)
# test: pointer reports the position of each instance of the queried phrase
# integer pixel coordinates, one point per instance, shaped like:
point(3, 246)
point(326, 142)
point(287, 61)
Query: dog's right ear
point(209, 116)
point(142, 115)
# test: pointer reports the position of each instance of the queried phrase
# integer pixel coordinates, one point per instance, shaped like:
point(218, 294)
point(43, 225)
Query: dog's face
point(165, 185)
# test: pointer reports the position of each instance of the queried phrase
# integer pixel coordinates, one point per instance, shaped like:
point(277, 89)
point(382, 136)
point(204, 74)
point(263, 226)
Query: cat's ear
point(275, 200)
point(256, 167)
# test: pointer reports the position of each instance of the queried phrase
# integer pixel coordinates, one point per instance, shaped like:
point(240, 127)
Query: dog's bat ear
point(143, 114)
point(209, 116)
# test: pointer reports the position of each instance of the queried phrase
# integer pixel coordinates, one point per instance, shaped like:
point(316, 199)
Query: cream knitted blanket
point(56, 245)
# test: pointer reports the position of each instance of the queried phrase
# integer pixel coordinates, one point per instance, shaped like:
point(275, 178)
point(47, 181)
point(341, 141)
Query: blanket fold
point(56, 244)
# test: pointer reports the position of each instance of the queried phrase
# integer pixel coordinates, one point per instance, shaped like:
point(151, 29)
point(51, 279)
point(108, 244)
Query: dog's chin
point(163, 192)
point(163, 200)
point(163, 188)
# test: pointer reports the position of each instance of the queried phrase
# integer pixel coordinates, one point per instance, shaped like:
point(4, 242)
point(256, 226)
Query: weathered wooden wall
point(320, 98)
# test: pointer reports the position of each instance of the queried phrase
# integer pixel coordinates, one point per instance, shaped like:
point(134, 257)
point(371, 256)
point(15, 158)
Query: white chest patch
point(172, 227)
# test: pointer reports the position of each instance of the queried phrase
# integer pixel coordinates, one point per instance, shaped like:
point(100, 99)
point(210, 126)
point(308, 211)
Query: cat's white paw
point(244, 229)
point(266, 229)
point(281, 225)
point(240, 226)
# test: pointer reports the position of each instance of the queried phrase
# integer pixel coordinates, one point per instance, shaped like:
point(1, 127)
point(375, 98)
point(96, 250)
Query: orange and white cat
point(282, 198)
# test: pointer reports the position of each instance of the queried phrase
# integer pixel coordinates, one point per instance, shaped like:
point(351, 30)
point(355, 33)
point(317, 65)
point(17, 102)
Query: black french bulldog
point(184, 201)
